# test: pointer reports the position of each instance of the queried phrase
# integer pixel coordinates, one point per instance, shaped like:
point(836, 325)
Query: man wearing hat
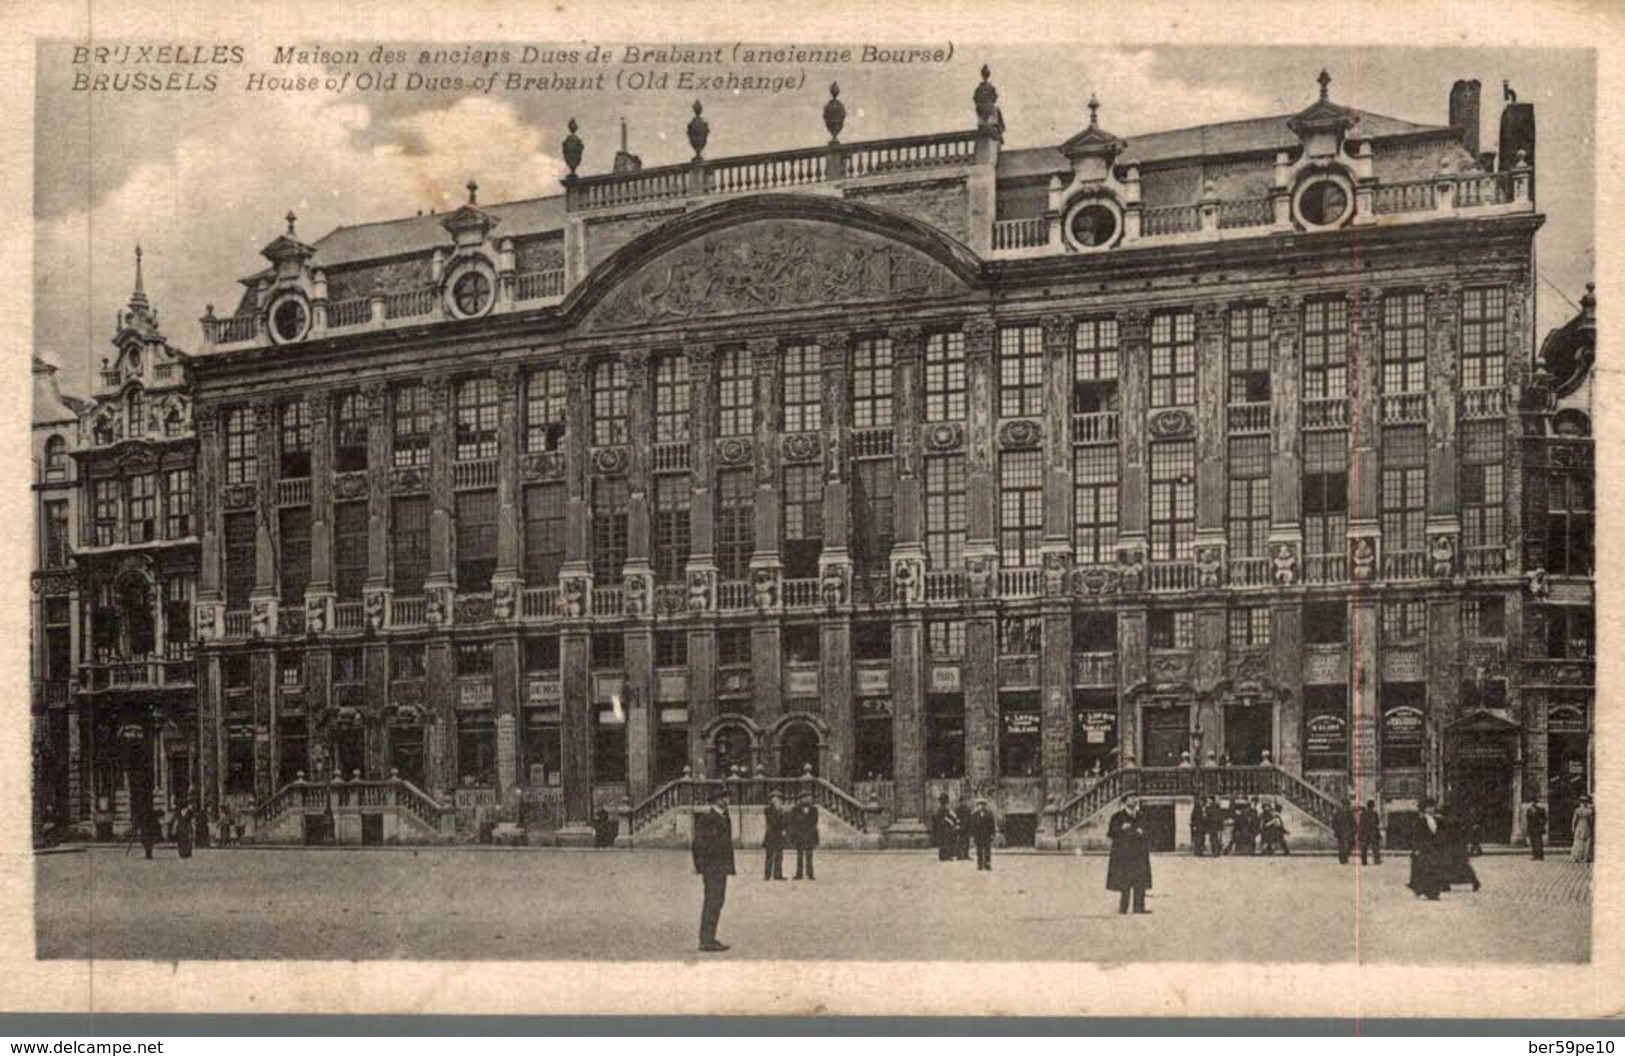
point(773, 840)
point(803, 831)
point(982, 828)
point(947, 825)
point(1128, 871)
point(714, 861)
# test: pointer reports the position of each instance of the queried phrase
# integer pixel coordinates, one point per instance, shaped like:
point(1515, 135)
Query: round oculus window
point(1324, 203)
point(1093, 226)
point(290, 319)
point(471, 293)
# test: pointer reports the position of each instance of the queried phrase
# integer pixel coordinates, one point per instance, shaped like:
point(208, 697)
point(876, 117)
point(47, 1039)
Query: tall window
point(1094, 503)
point(293, 536)
point(239, 553)
point(1404, 342)
point(610, 498)
point(56, 459)
point(143, 508)
point(1483, 338)
point(414, 425)
point(1173, 500)
point(1173, 359)
point(671, 398)
point(349, 549)
point(673, 499)
point(736, 523)
point(1021, 508)
point(945, 511)
point(1249, 626)
point(1325, 349)
point(56, 534)
point(544, 409)
point(350, 432)
point(803, 398)
point(477, 419)
point(544, 533)
point(1404, 488)
point(873, 518)
point(1021, 635)
point(803, 520)
point(1249, 514)
point(945, 386)
point(177, 613)
point(945, 639)
point(1325, 492)
point(736, 400)
point(1483, 485)
point(1404, 621)
point(1094, 366)
point(295, 446)
point(1249, 335)
point(104, 512)
point(1570, 504)
point(608, 402)
point(872, 383)
point(409, 543)
point(136, 413)
point(1021, 371)
point(1171, 629)
point(476, 540)
point(242, 463)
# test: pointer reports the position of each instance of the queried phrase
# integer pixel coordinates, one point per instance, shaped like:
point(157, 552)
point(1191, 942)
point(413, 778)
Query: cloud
point(203, 212)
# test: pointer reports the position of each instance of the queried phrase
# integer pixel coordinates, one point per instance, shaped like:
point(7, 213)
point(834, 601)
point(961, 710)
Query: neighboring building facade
point(924, 465)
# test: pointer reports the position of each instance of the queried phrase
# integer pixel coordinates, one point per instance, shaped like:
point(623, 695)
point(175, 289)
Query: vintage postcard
point(862, 519)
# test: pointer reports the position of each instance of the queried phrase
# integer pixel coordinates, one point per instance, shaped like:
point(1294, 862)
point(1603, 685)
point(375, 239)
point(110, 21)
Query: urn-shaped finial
point(698, 131)
point(834, 113)
point(986, 98)
point(572, 147)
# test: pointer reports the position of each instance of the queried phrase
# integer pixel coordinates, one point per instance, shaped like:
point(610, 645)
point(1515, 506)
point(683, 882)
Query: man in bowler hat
point(1129, 870)
point(714, 861)
point(773, 839)
point(803, 829)
point(982, 829)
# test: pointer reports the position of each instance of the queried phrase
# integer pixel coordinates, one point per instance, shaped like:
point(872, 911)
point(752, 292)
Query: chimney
point(1517, 130)
point(1464, 113)
point(625, 160)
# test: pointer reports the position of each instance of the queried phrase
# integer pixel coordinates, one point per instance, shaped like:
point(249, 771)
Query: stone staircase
point(405, 813)
point(665, 818)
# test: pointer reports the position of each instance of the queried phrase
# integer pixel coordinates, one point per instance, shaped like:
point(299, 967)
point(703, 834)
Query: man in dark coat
point(773, 839)
point(1213, 817)
point(714, 861)
point(982, 829)
point(1343, 826)
point(1198, 825)
point(1535, 824)
point(1129, 870)
point(150, 828)
point(946, 823)
point(1428, 854)
point(183, 831)
point(1455, 835)
point(803, 831)
point(1368, 831)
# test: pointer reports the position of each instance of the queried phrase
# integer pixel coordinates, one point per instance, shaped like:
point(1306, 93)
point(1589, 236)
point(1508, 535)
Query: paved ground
point(644, 905)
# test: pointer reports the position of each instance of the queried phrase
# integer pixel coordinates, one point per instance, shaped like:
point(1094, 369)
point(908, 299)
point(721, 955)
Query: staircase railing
point(317, 796)
point(1221, 781)
point(748, 791)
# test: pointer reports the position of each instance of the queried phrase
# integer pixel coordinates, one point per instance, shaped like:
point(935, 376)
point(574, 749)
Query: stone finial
point(834, 113)
point(291, 218)
point(473, 191)
point(138, 298)
point(1325, 80)
point(572, 147)
point(1094, 111)
point(699, 131)
point(986, 97)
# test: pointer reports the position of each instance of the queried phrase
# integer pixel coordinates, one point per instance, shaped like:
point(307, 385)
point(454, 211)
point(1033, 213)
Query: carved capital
point(507, 379)
point(906, 342)
point(764, 355)
point(636, 362)
point(1058, 331)
point(1210, 319)
point(205, 417)
point(439, 386)
point(979, 331)
point(1134, 325)
point(264, 416)
point(1284, 313)
point(834, 346)
point(321, 405)
point(575, 372)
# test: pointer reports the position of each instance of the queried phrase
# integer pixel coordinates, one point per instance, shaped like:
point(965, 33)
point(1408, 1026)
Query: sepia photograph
point(527, 499)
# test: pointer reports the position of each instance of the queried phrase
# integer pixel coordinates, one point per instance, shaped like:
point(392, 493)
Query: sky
point(203, 180)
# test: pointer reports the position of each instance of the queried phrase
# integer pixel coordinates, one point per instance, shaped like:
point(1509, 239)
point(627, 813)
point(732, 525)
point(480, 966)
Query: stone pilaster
point(702, 566)
point(441, 505)
point(641, 713)
point(1365, 430)
point(1055, 676)
point(1210, 421)
point(321, 494)
point(1134, 338)
point(379, 456)
point(908, 732)
point(440, 688)
point(206, 421)
point(908, 404)
point(575, 575)
point(576, 737)
point(1286, 417)
point(1445, 670)
point(1364, 706)
point(702, 693)
point(1209, 670)
point(1132, 670)
point(505, 686)
point(508, 505)
point(980, 680)
point(835, 686)
point(265, 509)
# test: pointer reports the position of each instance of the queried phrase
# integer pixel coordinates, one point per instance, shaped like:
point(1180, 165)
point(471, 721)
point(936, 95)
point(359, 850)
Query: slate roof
point(50, 405)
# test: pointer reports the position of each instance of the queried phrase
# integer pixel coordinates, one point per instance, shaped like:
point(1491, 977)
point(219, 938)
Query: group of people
point(1358, 826)
point(1244, 826)
point(1440, 854)
point(1583, 826)
point(953, 833)
point(182, 826)
point(796, 828)
point(713, 851)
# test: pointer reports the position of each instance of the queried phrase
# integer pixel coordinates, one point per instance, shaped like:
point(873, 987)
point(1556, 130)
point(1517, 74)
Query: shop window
point(945, 736)
point(608, 651)
point(542, 654)
point(609, 747)
point(802, 644)
point(1484, 616)
point(407, 662)
point(476, 751)
point(544, 750)
point(1325, 623)
point(873, 740)
point(240, 764)
point(1325, 727)
point(671, 648)
point(871, 641)
point(473, 658)
point(1404, 732)
point(1171, 629)
point(1019, 735)
point(1094, 734)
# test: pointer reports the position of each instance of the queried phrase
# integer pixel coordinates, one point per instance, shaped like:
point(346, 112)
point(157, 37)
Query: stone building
point(905, 467)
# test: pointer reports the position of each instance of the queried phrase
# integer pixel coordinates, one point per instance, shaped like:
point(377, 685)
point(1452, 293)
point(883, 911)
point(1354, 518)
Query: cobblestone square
point(479, 904)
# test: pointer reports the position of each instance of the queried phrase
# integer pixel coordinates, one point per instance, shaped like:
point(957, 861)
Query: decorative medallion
point(350, 486)
point(1094, 580)
point(671, 599)
point(1172, 422)
point(238, 496)
point(611, 461)
point(944, 436)
point(474, 608)
point(734, 451)
point(1251, 666)
point(407, 480)
point(1021, 433)
point(1170, 667)
point(802, 447)
point(542, 465)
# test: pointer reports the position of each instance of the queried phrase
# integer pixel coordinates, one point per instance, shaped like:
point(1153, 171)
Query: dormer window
point(135, 411)
point(1325, 201)
point(290, 319)
point(471, 294)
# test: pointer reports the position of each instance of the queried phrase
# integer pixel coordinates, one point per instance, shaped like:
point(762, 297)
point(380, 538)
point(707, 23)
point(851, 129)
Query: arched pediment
point(771, 253)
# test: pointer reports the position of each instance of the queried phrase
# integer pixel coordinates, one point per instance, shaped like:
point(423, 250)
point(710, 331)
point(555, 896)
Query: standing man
point(714, 861)
point(183, 831)
point(149, 826)
point(1214, 817)
point(773, 839)
point(947, 826)
point(804, 835)
point(1129, 870)
point(1343, 826)
point(1198, 825)
point(982, 829)
point(1535, 823)
point(1368, 830)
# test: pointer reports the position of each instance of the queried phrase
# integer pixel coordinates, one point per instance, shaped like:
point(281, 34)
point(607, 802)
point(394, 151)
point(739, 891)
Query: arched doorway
point(799, 745)
point(733, 748)
point(1249, 728)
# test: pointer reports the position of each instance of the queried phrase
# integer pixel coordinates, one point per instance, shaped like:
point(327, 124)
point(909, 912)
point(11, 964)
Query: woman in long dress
point(1585, 831)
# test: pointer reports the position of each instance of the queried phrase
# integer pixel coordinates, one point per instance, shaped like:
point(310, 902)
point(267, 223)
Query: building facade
point(919, 466)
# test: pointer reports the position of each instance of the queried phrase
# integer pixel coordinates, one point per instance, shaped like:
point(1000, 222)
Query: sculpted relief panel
point(772, 265)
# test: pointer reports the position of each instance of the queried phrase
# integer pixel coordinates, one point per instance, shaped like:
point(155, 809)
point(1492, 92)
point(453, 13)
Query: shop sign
point(874, 681)
point(1403, 665)
point(1402, 726)
point(544, 691)
point(1099, 727)
point(674, 716)
point(609, 687)
point(673, 686)
point(945, 678)
point(803, 683)
point(1327, 735)
point(1018, 722)
point(1566, 719)
point(874, 707)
